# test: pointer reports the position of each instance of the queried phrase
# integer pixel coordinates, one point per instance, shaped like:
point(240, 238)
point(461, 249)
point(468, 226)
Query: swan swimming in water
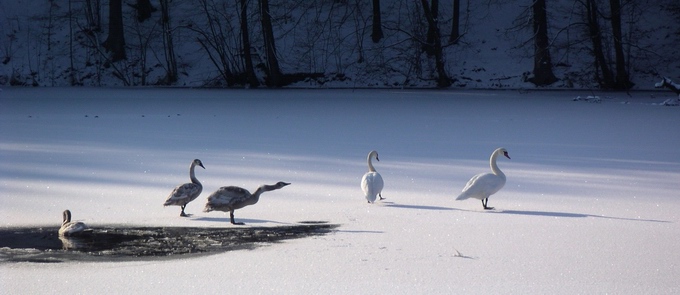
point(69, 228)
point(230, 198)
point(187, 192)
point(483, 185)
point(372, 183)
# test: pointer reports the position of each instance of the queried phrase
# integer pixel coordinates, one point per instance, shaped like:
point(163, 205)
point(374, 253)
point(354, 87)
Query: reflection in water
point(73, 243)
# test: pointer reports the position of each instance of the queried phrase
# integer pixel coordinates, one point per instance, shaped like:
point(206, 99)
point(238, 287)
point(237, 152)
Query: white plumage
point(372, 183)
point(483, 185)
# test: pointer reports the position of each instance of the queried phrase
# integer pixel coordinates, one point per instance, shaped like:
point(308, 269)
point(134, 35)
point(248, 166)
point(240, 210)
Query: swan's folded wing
point(227, 195)
point(73, 228)
point(482, 186)
point(472, 182)
point(475, 187)
point(379, 184)
point(181, 193)
point(372, 183)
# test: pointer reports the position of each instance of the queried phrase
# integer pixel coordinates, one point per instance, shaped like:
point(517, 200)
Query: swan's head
point(198, 162)
point(66, 216)
point(373, 154)
point(282, 184)
point(503, 151)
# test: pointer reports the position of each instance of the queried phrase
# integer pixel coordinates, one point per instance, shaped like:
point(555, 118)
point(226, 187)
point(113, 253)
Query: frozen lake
point(590, 205)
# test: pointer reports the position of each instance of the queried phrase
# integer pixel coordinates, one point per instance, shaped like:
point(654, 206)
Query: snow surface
point(590, 206)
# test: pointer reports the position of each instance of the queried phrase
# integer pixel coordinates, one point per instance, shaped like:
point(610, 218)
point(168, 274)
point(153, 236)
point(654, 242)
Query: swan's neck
point(67, 217)
point(370, 164)
point(265, 188)
point(494, 166)
point(192, 175)
point(255, 197)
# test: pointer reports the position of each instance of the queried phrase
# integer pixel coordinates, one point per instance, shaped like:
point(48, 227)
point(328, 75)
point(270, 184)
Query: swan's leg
point(231, 215)
point(182, 213)
point(380, 195)
point(485, 201)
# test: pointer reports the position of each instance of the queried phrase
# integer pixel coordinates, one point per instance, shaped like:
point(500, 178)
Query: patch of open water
point(115, 243)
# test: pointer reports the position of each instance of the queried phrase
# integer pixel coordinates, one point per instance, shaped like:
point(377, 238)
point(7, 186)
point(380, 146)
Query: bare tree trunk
point(443, 79)
point(455, 26)
point(168, 45)
point(432, 14)
point(274, 72)
point(115, 42)
point(72, 70)
point(622, 79)
point(607, 81)
point(377, 22)
point(92, 15)
point(543, 74)
point(247, 56)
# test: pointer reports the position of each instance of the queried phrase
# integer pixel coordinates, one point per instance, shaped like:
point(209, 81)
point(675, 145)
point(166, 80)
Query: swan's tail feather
point(462, 196)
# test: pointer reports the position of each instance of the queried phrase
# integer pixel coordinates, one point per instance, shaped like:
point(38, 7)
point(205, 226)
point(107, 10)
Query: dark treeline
point(272, 43)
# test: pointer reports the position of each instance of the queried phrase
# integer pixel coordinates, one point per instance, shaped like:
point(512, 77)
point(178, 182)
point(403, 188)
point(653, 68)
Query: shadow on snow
point(569, 215)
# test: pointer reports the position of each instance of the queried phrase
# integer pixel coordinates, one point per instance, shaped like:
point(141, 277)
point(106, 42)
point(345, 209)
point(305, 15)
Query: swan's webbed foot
point(231, 216)
point(182, 214)
point(484, 204)
point(380, 196)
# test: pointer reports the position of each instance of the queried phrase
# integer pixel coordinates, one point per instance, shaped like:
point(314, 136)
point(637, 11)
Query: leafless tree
point(455, 22)
point(434, 42)
point(245, 41)
point(115, 43)
point(377, 33)
point(622, 80)
point(168, 44)
point(274, 75)
point(543, 73)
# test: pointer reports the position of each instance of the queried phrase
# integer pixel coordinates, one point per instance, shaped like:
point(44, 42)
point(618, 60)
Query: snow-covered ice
point(590, 205)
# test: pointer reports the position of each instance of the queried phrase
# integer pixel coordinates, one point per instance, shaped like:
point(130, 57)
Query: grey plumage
point(185, 193)
point(71, 228)
point(230, 198)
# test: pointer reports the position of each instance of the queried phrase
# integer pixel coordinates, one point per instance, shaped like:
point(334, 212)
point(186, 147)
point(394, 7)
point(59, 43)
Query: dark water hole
point(115, 243)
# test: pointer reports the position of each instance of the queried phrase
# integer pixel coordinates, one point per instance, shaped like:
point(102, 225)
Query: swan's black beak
point(204, 166)
point(506, 155)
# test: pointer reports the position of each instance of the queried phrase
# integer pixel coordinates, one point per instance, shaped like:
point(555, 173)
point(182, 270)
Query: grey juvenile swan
point(230, 198)
point(372, 183)
point(483, 185)
point(69, 228)
point(187, 192)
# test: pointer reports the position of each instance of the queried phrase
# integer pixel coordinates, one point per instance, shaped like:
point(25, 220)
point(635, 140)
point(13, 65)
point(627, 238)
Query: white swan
point(185, 193)
point(483, 185)
point(69, 228)
point(230, 198)
point(372, 183)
